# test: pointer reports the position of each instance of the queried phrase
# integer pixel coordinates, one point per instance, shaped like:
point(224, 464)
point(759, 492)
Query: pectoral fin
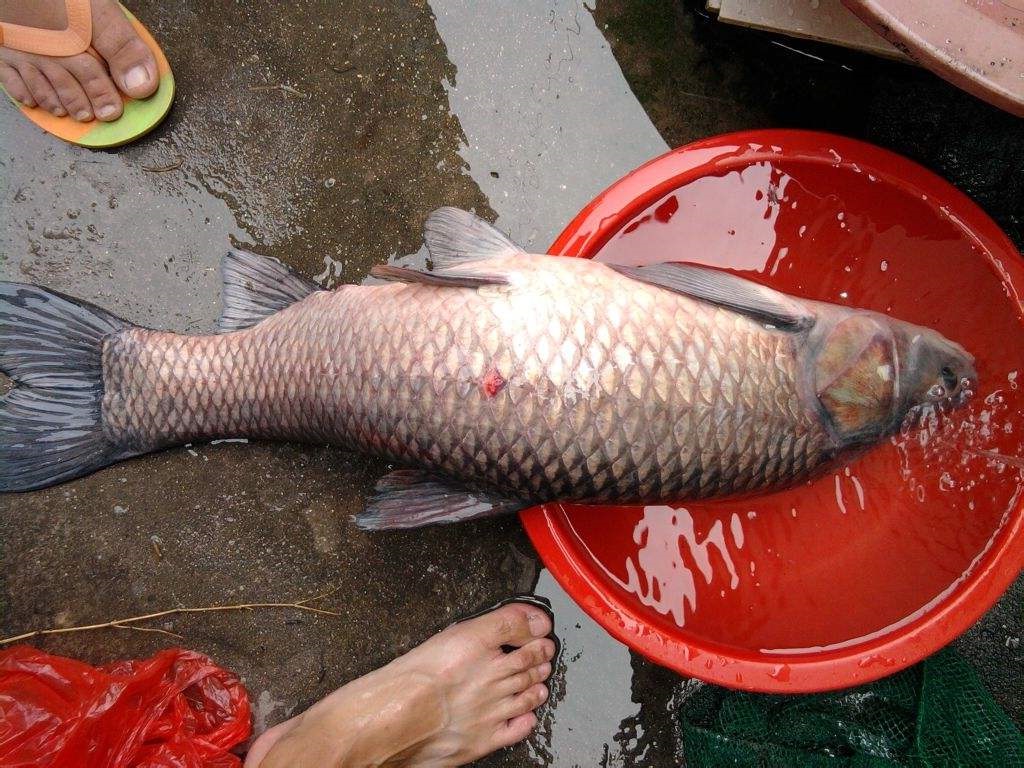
point(725, 290)
point(411, 498)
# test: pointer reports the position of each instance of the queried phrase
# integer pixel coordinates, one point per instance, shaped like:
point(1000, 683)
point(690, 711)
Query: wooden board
point(821, 20)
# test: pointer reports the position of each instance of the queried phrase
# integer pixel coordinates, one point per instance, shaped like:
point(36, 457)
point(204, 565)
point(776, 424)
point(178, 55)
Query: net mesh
point(934, 715)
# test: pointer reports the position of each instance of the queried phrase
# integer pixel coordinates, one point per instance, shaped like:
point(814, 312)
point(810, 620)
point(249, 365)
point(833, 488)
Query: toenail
point(537, 628)
point(106, 111)
point(136, 77)
point(59, 111)
point(83, 116)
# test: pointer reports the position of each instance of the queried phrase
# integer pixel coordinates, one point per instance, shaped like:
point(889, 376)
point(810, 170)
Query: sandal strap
point(70, 41)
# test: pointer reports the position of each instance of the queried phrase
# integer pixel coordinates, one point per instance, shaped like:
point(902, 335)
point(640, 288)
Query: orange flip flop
point(139, 116)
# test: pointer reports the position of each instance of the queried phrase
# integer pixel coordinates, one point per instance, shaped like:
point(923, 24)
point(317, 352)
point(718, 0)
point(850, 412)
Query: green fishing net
point(934, 715)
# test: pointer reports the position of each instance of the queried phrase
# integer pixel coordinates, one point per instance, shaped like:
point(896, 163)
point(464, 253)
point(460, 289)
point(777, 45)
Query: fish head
point(871, 371)
point(933, 370)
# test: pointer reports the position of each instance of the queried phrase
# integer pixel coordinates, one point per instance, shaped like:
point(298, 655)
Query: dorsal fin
point(725, 290)
point(255, 287)
point(454, 236)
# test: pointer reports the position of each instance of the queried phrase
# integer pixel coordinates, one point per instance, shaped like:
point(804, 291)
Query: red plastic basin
point(865, 570)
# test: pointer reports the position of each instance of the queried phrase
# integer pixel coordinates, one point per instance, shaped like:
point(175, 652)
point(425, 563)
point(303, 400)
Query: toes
point(524, 702)
point(15, 86)
point(42, 92)
point(515, 730)
point(70, 93)
point(514, 625)
point(130, 61)
point(103, 96)
point(521, 681)
point(532, 654)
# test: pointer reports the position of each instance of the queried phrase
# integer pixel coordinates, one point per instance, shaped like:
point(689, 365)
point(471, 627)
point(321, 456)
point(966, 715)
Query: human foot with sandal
point(450, 701)
point(86, 71)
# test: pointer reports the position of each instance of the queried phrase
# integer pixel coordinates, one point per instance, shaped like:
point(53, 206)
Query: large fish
point(500, 378)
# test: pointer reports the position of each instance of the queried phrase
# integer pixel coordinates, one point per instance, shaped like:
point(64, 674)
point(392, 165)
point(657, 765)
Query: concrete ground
point(323, 133)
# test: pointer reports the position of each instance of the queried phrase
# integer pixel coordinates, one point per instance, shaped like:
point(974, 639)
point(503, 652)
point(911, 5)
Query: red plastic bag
point(175, 710)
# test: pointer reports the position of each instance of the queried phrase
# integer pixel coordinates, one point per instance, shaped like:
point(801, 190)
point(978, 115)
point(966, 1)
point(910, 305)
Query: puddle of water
point(591, 690)
point(95, 225)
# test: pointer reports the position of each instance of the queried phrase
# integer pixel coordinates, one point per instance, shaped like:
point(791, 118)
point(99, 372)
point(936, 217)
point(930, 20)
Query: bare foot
point(81, 86)
point(451, 700)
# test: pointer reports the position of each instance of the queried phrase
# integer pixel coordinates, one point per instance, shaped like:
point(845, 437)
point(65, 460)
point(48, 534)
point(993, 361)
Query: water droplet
point(781, 671)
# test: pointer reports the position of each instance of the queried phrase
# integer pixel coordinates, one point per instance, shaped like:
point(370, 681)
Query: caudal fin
point(50, 422)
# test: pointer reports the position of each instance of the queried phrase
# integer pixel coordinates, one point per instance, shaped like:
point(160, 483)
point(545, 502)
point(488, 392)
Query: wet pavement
point(323, 133)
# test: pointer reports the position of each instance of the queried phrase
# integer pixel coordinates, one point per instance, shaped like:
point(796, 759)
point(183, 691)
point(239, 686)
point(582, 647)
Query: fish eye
point(949, 379)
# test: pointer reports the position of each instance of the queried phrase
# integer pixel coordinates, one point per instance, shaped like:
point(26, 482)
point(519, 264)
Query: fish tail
point(51, 421)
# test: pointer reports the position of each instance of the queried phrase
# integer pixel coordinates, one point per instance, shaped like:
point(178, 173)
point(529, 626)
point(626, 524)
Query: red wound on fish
point(492, 383)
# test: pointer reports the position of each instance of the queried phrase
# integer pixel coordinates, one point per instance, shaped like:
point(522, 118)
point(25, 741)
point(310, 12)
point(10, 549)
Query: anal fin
point(255, 287)
point(411, 498)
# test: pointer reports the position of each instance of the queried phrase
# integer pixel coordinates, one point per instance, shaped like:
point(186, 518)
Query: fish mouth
point(917, 416)
point(921, 414)
point(968, 386)
point(960, 399)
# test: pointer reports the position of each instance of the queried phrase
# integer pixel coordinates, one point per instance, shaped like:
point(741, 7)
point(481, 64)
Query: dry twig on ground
point(127, 623)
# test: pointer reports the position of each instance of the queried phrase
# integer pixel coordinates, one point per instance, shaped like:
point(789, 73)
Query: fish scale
point(398, 370)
